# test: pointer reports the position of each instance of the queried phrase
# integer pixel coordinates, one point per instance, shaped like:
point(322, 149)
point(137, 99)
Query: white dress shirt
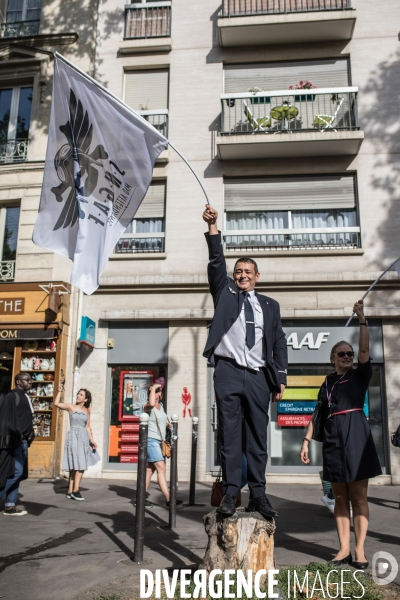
point(30, 404)
point(233, 343)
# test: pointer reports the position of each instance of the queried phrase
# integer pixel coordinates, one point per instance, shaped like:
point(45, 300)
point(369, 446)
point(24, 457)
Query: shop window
point(284, 213)
point(15, 118)
point(129, 385)
point(146, 232)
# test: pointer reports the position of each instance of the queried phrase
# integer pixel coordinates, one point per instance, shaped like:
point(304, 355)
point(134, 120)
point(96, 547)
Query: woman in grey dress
point(80, 448)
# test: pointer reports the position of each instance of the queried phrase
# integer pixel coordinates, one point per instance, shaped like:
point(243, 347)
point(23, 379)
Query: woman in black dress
point(349, 453)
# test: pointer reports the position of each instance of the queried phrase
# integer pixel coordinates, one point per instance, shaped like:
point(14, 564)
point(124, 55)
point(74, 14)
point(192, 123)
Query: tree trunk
point(244, 541)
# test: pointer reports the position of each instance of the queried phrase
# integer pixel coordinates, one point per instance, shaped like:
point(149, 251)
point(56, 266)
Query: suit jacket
point(10, 435)
point(228, 302)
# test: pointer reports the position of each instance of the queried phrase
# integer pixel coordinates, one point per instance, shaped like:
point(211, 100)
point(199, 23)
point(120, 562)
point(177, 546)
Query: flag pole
point(106, 91)
point(375, 282)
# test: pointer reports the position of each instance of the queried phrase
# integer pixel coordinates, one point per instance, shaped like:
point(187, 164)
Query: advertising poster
point(133, 392)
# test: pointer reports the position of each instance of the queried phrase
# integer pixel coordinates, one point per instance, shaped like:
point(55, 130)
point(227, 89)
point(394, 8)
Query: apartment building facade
point(285, 109)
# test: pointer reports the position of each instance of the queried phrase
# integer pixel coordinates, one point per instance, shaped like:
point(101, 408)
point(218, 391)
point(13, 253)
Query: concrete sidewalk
point(75, 550)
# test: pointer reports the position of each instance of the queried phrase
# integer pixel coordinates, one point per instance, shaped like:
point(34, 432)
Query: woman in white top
point(157, 428)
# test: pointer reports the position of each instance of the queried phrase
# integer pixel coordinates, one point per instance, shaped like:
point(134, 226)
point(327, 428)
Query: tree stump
point(244, 541)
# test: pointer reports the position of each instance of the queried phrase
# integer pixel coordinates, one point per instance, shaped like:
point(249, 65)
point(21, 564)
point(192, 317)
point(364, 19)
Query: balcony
point(289, 123)
point(263, 22)
point(7, 270)
point(147, 28)
point(13, 151)
point(20, 29)
point(136, 243)
point(270, 240)
point(157, 118)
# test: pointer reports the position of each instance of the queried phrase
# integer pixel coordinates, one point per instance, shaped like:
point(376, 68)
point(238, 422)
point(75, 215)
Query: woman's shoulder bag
point(165, 446)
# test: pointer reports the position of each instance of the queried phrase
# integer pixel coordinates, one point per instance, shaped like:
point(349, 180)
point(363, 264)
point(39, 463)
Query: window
point(291, 213)
point(22, 18)
point(147, 93)
point(281, 75)
point(15, 117)
point(9, 221)
point(23, 10)
point(148, 20)
point(146, 233)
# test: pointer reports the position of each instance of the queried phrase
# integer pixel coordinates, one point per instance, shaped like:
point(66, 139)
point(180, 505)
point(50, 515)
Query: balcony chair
point(261, 124)
point(324, 122)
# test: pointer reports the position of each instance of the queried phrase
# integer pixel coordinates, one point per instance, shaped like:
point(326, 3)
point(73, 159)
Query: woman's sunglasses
point(350, 354)
point(158, 390)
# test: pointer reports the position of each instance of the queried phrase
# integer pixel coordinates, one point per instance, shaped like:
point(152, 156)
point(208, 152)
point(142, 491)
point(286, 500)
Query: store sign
point(88, 332)
point(27, 334)
point(305, 380)
point(296, 407)
point(12, 306)
point(300, 394)
point(294, 420)
point(312, 344)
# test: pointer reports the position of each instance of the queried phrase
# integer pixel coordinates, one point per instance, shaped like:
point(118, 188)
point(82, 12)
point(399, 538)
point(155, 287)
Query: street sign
point(88, 332)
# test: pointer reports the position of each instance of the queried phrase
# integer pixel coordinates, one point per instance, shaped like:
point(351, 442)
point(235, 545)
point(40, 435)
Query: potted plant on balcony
point(303, 85)
point(258, 99)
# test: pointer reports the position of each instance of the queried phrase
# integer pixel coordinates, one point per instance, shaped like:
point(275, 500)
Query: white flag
point(99, 165)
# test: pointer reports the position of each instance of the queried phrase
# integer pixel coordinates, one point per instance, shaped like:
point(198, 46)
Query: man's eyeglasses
point(350, 354)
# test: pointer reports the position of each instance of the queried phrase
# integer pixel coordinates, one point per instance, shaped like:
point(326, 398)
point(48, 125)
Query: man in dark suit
point(16, 434)
point(248, 347)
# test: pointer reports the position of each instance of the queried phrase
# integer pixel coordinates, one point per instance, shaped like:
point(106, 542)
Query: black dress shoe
point(227, 508)
point(360, 565)
point(263, 506)
point(343, 561)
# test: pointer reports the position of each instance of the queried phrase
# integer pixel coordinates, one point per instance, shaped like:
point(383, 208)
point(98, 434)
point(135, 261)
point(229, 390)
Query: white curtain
point(333, 218)
point(257, 220)
point(146, 226)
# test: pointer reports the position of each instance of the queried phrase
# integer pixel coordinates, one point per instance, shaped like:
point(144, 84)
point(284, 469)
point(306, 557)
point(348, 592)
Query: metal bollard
point(192, 491)
point(141, 488)
point(173, 479)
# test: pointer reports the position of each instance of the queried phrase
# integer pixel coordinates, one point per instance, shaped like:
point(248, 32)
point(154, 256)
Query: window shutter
point(146, 88)
point(153, 206)
point(290, 193)
point(281, 75)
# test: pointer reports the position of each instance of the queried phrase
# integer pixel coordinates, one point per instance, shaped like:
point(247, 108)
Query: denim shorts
point(154, 453)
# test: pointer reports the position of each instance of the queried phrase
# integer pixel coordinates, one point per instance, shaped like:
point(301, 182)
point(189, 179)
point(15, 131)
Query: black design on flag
point(74, 164)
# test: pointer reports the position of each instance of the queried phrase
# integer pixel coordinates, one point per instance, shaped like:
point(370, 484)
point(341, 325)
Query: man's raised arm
point(217, 266)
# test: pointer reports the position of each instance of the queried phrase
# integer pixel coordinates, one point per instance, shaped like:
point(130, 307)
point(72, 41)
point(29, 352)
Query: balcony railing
point(293, 239)
point(13, 151)
point(7, 270)
point(157, 118)
point(20, 29)
point(237, 8)
point(133, 243)
point(147, 20)
point(290, 111)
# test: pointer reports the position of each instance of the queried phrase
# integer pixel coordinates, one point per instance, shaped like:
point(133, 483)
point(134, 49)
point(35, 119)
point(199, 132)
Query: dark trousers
point(240, 391)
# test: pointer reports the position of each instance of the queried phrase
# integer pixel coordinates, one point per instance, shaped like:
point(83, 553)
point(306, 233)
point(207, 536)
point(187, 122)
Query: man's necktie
point(250, 326)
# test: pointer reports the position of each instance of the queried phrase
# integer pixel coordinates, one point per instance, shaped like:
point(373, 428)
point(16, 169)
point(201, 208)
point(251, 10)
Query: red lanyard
point(329, 395)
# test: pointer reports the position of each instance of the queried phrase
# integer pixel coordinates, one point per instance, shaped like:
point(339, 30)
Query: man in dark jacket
point(16, 434)
point(248, 347)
